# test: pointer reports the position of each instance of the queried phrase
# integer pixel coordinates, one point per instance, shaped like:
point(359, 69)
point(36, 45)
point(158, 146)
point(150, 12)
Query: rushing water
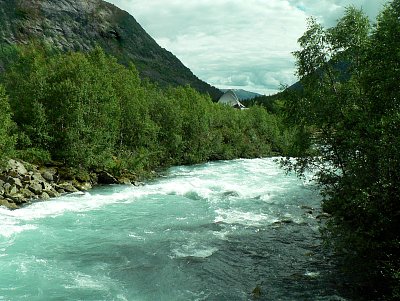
point(231, 230)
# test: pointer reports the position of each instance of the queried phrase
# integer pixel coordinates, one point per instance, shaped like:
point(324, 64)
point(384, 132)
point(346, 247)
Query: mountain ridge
point(243, 94)
point(80, 25)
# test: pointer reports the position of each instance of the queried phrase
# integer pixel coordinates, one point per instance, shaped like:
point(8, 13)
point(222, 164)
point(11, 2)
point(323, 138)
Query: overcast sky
point(243, 44)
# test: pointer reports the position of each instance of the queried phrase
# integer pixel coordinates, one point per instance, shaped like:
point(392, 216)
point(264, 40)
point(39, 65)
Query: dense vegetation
point(90, 112)
point(79, 25)
point(348, 126)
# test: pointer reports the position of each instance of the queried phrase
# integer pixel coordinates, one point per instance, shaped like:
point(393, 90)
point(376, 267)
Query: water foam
point(233, 216)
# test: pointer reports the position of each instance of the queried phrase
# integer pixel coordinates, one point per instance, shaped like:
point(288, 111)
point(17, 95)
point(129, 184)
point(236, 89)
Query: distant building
point(229, 98)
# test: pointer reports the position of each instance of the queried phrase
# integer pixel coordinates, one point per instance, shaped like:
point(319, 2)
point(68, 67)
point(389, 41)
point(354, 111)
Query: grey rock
point(27, 193)
point(38, 177)
point(44, 196)
point(7, 204)
point(124, 181)
point(67, 187)
point(46, 186)
point(52, 193)
point(83, 186)
point(7, 188)
point(104, 177)
point(13, 190)
point(17, 166)
point(15, 181)
point(26, 178)
point(13, 173)
point(17, 198)
point(35, 187)
point(47, 175)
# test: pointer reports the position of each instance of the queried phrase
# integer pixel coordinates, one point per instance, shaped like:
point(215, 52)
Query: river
point(229, 230)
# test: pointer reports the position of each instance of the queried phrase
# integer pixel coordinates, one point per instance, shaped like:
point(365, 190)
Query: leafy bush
point(348, 121)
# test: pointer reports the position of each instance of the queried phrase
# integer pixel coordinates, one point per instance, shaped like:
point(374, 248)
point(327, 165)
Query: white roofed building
point(230, 98)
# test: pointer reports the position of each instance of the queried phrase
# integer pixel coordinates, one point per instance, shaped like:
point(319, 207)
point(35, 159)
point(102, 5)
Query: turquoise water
point(205, 232)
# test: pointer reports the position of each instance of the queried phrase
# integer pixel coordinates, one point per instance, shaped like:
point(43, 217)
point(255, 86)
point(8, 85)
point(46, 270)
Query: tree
point(7, 140)
point(347, 116)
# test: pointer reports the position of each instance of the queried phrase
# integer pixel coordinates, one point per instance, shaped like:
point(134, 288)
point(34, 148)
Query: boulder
point(17, 198)
point(46, 186)
point(1, 187)
point(48, 176)
point(15, 181)
point(83, 186)
point(38, 177)
point(124, 181)
point(35, 187)
point(44, 196)
point(7, 204)
point(6, 188)
point(67, 187)
point(27, 193)
point(17, 166)
point(52, 193)
point(26, 178)
point(104, 177)
point(60, 191)
point(10, 189)
point(13, 173)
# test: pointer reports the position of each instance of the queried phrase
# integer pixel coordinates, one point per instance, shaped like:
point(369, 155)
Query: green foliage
point(7, 140)
point(34, 155)
point(347, 120)
point(88, 111)
point(72, 109)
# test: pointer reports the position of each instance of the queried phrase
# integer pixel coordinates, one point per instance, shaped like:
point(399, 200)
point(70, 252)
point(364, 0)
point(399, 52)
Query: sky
point(238, 44)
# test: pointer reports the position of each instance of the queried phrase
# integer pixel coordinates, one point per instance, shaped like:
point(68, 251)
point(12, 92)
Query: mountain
point(243, 94)
point(80, 25)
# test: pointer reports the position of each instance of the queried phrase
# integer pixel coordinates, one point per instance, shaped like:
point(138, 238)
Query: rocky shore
point(22, 182)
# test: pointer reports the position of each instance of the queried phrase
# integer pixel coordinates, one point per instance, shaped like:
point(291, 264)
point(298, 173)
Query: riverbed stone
point(83, 186)
point(67, 187)
point(44, 196)
point(17, 198)
point(104, 177)
point(35, 187)
point(38, 177)
point(124, 181)
point(47, 175)
point(15, 181)
point(6, 188)
point(7, 204)
point(26, 178)
point(27, 193)
point(52, 193)
point(17, 166)
point(13, 190)
point(13, 174)
point(46, 186)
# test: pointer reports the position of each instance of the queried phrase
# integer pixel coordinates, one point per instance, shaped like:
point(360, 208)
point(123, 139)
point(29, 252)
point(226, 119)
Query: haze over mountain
point(80, 25)
point(243, 94)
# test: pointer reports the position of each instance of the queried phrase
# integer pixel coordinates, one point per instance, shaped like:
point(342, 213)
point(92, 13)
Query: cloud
point(329, 11)
point(238, 44)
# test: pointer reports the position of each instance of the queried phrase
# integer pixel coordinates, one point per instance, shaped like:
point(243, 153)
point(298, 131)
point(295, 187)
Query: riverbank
point(22, 182)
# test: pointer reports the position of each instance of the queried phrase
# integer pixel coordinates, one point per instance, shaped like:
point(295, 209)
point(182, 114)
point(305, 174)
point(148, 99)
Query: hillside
point(243, 94)
point(80, 25)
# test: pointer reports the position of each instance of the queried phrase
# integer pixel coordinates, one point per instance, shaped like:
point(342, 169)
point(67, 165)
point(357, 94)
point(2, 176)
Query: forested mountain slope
point(80, 25)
